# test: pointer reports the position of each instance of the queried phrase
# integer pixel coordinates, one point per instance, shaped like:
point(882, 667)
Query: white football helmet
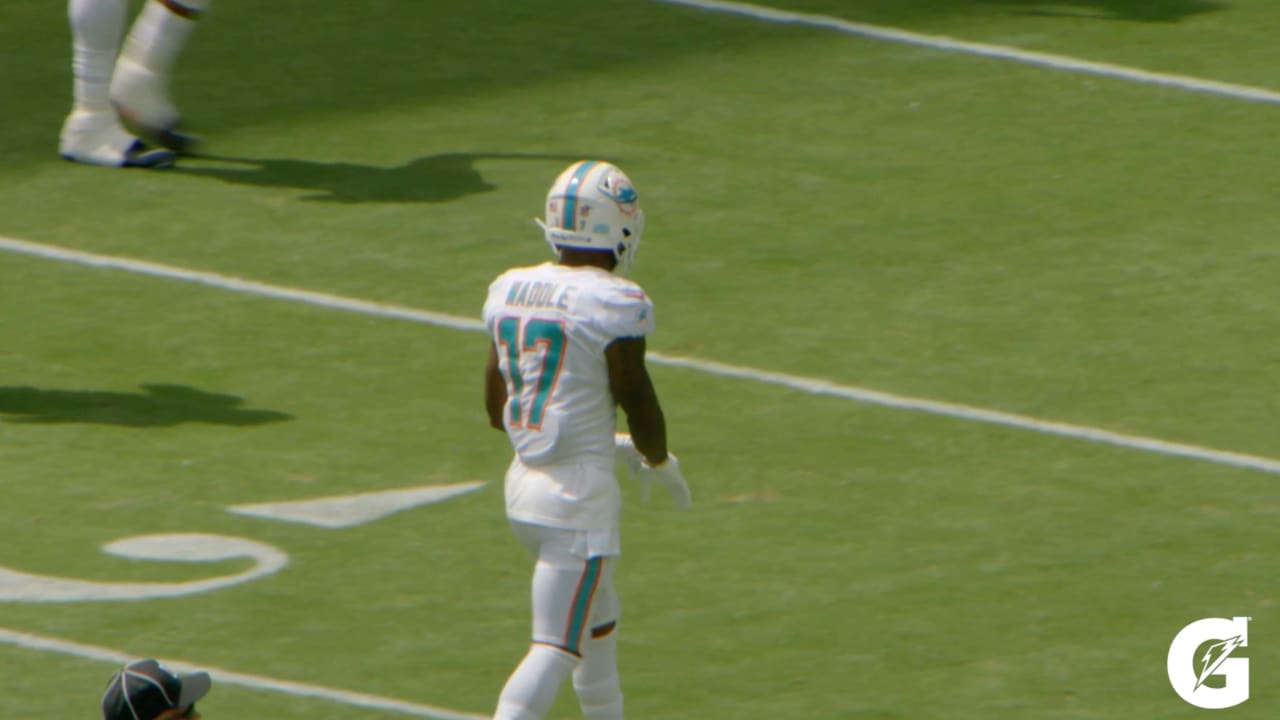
point(594, 206)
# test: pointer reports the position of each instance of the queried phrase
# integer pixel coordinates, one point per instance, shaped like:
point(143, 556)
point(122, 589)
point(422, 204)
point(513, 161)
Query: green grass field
point(925, 223)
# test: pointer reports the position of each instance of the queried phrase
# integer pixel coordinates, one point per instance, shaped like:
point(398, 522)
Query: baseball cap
point(142, 690)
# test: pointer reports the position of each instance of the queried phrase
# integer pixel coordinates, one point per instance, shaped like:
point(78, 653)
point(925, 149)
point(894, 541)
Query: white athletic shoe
point(97, 138)
point(142, 99)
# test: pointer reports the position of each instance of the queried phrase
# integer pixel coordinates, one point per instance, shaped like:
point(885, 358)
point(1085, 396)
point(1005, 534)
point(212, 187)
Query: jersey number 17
point(544, 338)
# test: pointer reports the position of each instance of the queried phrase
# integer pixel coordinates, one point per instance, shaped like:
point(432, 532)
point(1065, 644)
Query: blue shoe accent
point(174, 139)
point(141, 156)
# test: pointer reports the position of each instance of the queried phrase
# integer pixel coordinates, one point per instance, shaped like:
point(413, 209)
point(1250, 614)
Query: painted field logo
point(1201, 668)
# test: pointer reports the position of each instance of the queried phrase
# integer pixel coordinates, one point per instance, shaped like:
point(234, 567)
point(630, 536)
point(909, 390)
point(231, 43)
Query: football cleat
point(141, 156)
point(141, 97)
point(592, 205)
point(97, 138)
point(172, 138)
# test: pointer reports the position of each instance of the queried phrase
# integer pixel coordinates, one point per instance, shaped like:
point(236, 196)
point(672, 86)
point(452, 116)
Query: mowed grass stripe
point(998, 52)
point(814, 386)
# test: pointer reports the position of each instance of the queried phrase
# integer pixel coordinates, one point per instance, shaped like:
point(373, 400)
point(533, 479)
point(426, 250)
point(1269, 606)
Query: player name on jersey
point(540, 294)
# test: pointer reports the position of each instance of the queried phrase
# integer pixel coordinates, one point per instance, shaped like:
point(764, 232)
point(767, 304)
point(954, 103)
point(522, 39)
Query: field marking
point(16, 586)
point(344, 511)
point(227, 677)
point(999, 52)
point(813, 386)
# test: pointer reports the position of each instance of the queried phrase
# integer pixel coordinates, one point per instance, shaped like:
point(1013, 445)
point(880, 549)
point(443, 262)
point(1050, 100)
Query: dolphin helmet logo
point(620, 191)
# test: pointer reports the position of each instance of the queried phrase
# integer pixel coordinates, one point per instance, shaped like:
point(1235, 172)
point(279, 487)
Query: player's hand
point(668, 475)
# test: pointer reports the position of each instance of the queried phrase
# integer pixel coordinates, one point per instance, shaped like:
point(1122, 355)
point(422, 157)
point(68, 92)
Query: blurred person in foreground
point(142, 690)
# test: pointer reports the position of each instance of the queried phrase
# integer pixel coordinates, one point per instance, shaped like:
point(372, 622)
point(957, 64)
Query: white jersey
point(551, 324)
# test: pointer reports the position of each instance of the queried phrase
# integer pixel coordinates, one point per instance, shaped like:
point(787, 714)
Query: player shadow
point(1132, 10)
point(156, 406)
point(428, 179)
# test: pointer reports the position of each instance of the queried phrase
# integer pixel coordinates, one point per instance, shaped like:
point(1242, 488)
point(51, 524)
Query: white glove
point(667, 474)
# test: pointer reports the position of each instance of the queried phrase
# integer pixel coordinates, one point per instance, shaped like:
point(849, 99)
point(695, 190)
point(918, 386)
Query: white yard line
point(999, 52)
point(814, 386)
point(976, 414)
point(227, 677)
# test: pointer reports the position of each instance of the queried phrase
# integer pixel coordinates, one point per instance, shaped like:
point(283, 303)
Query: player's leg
point(92, 133)
point(595, 679)
point(563, 596)
point(144, 72)
point(532, 687)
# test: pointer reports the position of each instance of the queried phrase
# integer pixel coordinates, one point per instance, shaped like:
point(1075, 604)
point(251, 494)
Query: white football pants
point(575, 611)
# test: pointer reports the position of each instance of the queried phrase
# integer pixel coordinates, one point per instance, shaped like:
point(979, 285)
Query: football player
point(567, 345)
point(132, 84)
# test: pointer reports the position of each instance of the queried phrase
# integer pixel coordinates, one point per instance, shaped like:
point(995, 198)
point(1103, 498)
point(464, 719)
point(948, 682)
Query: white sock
point(161, 31)
point(96, 27)
point(595, 680)
point(532, 688)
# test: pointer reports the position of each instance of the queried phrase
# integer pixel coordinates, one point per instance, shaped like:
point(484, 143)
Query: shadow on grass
point(1133, 10)
point(156, 406)
point(429, 179)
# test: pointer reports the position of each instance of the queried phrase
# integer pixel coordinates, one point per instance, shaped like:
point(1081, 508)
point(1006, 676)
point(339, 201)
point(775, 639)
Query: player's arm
point(632, 388)
point(495, 389)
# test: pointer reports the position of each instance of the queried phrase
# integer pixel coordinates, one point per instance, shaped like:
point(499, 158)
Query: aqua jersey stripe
point(582, 605)
point(571, 195)
point(549, 335)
